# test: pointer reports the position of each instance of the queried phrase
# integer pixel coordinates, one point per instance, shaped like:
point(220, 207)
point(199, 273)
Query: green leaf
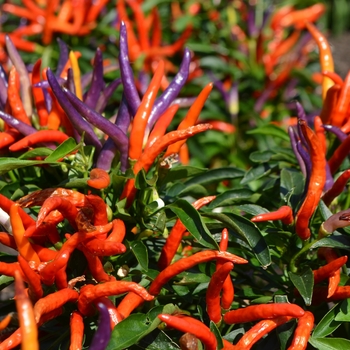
point(304, 283)
point(141, 253)
point(136, 326)
point(63, 150)
point(344, 312)
point(252, 209)
point(342, 242)
point(8, 164)
point(230, 197)
point(256, 173)
point(216, 175)
point(193, 222)
point(214, 329)
point(330, 343)
point(248, 231)
point(36, 152)
point(261, 156)
point(270, 130)
point(284, 333)
point(182, 172)
point(328, 324)
point(292, 185)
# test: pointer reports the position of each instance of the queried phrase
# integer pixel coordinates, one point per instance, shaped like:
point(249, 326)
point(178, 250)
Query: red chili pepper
point(47, 274)
point(8, 240)
point(76, 325)
point(337, 188)
point(14, 98)
point(161, 125)
point(337, 80)
point(316, 182)
point(101, 247)
point(329, 103)
point(61, 280)
point(339, 113)
point(114, 315)
point(118, 231)
point(175, 236)
point(99, 179)
point(190, 118)
point(27, 324)
point(228, 292)
point(330, 255)
point(44, 254)
point(8, 137)
point(299, 18)
point(90, 292)
point(39, 95)
point(39, 137)
point(320, 132)
point(151, 153)
point(54, 301)
point(9, 269)
point(220, 125)
point(339, 155)
point(284, 213)
point(140, 120)
point(329, 270)
point(100, 209)
point(64, 206)
point(326, 57)
point(185, 263)
point(302, 332)
point(278, 15)
point(44, 230)
point(262, 328)
point(197, 328)
point(213, 292)
point(263, 311)
point(35, 290)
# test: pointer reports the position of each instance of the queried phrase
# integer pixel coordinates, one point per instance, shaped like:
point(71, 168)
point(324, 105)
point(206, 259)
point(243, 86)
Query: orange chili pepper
point(23, 244)
point(39, 137)
point(190, 118)
point(76, 325)
point(326, 57)
point(5, 321)
point(39, 95)
point(316, 182)
point(99, 179)
point(142, 114)
point(14, 98)
point(27, 324)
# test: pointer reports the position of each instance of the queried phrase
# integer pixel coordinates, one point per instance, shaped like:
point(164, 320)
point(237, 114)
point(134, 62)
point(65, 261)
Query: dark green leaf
point(252, 209)
point(328, 324)
point(141, 253)
point(285, 332)
point(330, 343)
point(342, 242)
point(270, 130)
point(248, 231)
point(304, 283)
point(182, 172)
point(214, 329)
point(230, 197)
point(261, 156)
point(344, 312)
point(292, 185)
point(256, 173)
point(216, 175)
point(8, 164)
point(193, 222)
point(36, 152)
point(63, 150)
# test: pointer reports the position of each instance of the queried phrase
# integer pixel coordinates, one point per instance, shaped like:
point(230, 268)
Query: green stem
point(292, 264)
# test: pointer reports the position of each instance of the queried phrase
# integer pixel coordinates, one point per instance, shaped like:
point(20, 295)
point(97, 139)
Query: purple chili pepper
point(109, 149)
point(301, 115)
point(70, 81)
point(23, 128)
point(220, 86)
point(252, 29)
point(106, 156)
point(25, 84)
point(293, 141)
point(171, 92)
point(106, 94)
point(3, 86)
point(112, 130)
point(184, 102)
point(329, 179)
point(63, 57)
point(44, 84)
point(143, 80)
point(87, 77)
point(130, 91)
point(307, 161)
point(102, 335)
point(48, 100)
point(79, 123)
point(97, 83)
point(233, 104)
point(260, 102)
point(290, 89)
point(336, 131)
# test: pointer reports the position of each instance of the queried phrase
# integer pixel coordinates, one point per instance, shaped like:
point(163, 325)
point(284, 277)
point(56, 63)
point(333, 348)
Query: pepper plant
point(120, 237)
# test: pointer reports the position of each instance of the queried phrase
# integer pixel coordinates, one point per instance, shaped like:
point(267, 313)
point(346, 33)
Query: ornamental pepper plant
point(172, 177)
